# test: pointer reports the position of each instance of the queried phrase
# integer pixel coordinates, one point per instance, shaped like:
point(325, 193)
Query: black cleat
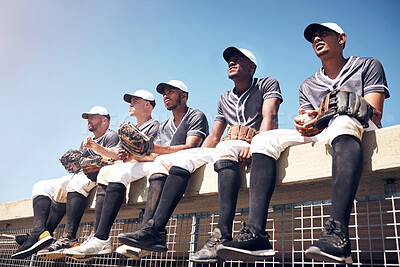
point(333, 245)
point(148, 238)
point(247, 246)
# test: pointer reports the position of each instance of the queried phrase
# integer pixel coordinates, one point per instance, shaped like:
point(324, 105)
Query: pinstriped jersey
point(194, 123)
point(359, 75)
point(247, 109)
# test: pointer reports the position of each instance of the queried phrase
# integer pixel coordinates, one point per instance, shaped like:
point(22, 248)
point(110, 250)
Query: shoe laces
point(87, 238)
point(213, 240)
point(246, 233)
point(332, 231)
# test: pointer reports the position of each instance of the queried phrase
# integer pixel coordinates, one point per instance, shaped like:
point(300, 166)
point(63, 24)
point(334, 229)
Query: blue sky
point(60, 58)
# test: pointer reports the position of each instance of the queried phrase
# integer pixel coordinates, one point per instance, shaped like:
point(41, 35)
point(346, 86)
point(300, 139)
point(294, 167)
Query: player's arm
point(191, 141)
point(215, 136)
point(107, 152)
point(270, 116)
point(376, 100)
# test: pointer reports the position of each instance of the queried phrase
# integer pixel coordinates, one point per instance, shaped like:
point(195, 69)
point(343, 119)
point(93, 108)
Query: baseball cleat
point(57, 249)
point(248, 245)
point(208, 253)
point(33, 244)
point(148, 238)
point(132, 252)
point(333, 245)
point(94, 247)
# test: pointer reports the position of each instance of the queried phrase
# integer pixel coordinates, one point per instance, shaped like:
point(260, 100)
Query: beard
point(91, 127)
point(174, 106)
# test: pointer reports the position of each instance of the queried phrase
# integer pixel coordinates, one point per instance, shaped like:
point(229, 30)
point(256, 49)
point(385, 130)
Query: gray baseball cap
point(313, 27)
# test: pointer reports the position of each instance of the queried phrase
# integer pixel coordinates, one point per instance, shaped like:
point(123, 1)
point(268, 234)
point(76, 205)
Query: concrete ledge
point(297, 166)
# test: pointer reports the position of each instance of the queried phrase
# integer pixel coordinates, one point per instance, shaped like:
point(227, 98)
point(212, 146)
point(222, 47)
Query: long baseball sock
point(41, 209)
point(347, 162)
point(115, 195)
point(76, 204)
point(262, 185)
point(57, 212)
point(228, 188)
point(156, 186)
point(100, 194)
point(172, 193)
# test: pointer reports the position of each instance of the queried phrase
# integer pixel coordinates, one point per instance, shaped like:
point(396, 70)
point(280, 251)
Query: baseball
point(304, 118)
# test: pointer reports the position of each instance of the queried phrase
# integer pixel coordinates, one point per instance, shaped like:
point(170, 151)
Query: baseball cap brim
point(227, 54)
point(314, 27)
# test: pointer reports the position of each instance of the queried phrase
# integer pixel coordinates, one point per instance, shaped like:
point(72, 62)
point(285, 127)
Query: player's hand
point(89, 143)
point(123, 155)
point(304, 122)
point(245, 157)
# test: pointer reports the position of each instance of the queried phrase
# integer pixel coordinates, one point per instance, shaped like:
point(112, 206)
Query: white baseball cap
point(96, 110)
point(146, 95)
point(174, 83)
point(230, 50)
point(313, 27)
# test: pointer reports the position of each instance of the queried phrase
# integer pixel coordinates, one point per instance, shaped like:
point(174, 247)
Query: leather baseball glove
point(92, 165)
point(239, 132)
point(71, 160)
point(344, 103)
point(134, 141)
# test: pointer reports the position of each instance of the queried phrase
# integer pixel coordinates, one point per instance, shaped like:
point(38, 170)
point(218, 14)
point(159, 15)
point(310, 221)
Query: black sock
point(347, 162)
point(228, 189)
point(76, 204)
point(41, 209)
point(156, 186)
point(115, 195)
point(57, 212)
point(100, 194)
point(262, 185)
point(174, 188)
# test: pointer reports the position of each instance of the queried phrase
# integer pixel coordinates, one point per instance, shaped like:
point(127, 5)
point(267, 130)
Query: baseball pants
point(193, 158)
point(273, 143)
point(57, 189)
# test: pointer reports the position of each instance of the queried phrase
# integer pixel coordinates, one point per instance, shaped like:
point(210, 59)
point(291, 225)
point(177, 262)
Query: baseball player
point(53, 198)
point(141, 105)
point(185, 129)
point(252, 103)
point(363, 76)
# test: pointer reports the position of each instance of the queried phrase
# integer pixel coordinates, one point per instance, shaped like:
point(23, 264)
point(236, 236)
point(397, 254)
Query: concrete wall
point(303, 168)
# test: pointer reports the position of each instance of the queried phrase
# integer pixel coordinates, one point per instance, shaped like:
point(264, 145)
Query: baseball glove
point(134, 141)
point(71, 160)
point(92, 165)
point(239, 132)
point(344, 103)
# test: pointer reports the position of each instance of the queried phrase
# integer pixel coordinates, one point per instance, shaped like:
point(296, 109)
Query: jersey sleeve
point(153, 130)
point(374, 78)
point(220, 115)
point(303, 100)
point(198, 125)
point(111, 140)
point(271, 89)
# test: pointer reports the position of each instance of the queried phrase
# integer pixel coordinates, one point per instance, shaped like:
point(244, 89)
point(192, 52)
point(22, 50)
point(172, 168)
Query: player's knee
point(40, 188)
point(226, 164)
point(179, 172)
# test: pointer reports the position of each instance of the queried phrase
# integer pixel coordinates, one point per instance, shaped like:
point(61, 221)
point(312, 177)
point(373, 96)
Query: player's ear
point(342, 38)
point(252, 68)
